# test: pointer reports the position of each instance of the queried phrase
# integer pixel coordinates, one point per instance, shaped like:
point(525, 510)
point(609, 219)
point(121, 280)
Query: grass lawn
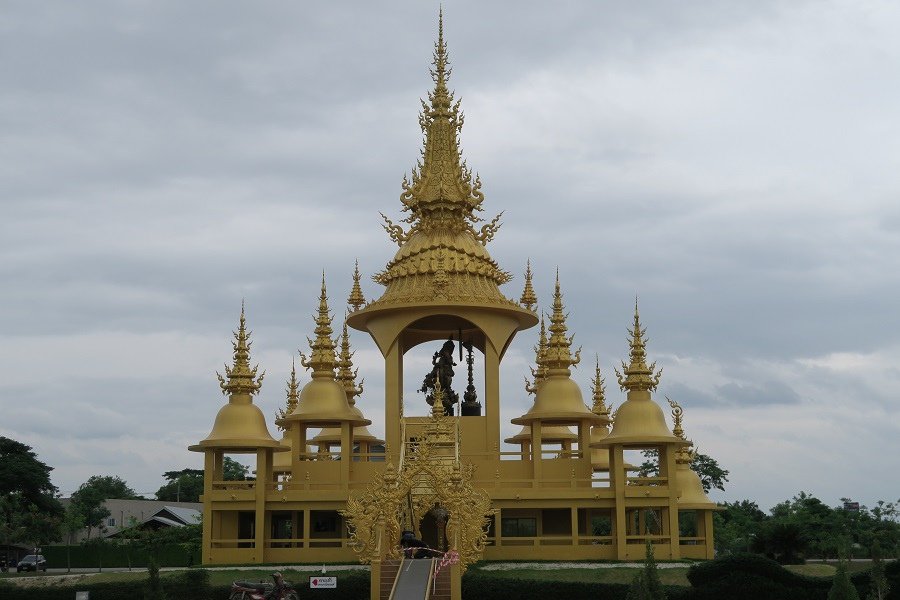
point(677, 576)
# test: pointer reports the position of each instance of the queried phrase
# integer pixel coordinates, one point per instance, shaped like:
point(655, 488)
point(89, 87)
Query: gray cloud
point(726, 162)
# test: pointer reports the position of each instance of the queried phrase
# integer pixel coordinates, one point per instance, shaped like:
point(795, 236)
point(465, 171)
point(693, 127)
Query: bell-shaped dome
point(323, 401)
point(558, 400)
point(639, 420)
point(552, 434)
point(240, 424)
point(690, 488)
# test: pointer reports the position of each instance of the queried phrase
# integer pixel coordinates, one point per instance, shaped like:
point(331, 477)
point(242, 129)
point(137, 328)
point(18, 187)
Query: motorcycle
point(249, 590)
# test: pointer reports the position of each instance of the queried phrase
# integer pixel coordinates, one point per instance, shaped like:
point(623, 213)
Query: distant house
point(151, 514)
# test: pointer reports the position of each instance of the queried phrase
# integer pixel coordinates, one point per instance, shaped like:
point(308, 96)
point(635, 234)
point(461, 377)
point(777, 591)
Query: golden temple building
point(330, 491)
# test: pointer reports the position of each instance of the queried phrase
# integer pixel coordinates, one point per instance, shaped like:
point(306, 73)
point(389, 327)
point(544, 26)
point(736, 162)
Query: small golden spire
point(437, 407)
point(293, 396)
point(322, 361)
point(539, 371)
point(356, 298)
point(598, 388)
point(528, 299)
point(241, 378)
point(683, 455)
point(637, 375)
point(558, 357)
point(346, 373)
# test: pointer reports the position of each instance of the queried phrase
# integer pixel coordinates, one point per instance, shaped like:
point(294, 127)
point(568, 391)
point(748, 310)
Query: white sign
point(321, 583)
point(82, 595)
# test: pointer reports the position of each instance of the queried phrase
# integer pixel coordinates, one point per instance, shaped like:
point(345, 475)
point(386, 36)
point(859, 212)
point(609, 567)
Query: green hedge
point(192, 584)
point(483, 586)
point(116, 555)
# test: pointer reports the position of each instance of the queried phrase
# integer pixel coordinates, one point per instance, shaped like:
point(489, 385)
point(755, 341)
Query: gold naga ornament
point(426, 480)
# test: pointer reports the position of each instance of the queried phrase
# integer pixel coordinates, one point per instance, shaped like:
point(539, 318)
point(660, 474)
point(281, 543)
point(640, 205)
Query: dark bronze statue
point(442, 371)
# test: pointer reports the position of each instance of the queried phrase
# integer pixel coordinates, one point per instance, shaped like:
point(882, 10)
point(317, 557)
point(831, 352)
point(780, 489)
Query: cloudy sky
point(732, 163)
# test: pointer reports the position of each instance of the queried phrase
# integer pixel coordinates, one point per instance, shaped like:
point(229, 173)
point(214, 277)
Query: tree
point(646, 584)
point(737, 525)
point(29, 510)
point(235, 471)
point(711, 474)
point(154, 589)
point(842, 588)
point(878, 586)
point(182, 486)
point(90, 496)
point(72, 523)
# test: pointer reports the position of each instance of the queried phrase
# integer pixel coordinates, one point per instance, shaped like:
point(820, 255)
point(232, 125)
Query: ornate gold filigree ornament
point(428, 478)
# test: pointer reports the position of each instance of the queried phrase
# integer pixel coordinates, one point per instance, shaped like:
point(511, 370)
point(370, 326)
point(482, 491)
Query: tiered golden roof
point(240, 424)
point(557, 397)
point(639, 420)
point(442, 257)
point(323, 401)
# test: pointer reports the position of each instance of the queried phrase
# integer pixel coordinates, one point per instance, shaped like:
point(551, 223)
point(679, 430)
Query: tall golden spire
point(528, 299)
point(441, 185)
point(293, 397)
point(322, 360)
point(356, 298)
point(346, 373)
point(539, 371)
point(598, 388)
point(637, 375)
point(242, 380)
point(558, 357)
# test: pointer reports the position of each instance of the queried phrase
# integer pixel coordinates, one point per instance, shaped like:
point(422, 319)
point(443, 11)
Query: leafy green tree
point(72, 523)
point(646, 584)
point(878, 586)
point(154, 590)
point(736, 526)
point(842, 588)
point(711, 474)
point(29, 510)
point(182, 486)
point(234, 471)
point(90, 496)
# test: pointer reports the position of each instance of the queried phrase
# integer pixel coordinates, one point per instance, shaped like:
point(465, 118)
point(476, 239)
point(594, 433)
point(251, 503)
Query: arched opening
point(448, 349)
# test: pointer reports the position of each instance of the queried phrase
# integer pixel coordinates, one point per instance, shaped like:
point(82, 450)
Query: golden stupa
point(444, 474)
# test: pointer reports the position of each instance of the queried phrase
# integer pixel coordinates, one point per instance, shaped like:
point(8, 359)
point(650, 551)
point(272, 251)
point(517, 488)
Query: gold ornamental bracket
point(376, 515)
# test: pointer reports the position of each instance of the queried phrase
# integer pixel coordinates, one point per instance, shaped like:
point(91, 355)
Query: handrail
point(430, 580)
point(396, 579)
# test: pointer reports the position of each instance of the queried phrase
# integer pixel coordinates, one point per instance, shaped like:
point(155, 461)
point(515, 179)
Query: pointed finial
point(598, 388)
point(683, 455)
point(539, 371)
point(346, 374)
point(558, 357)
point(356, 298)
point(241, 379)
point(528, 299)
point(322, 360)
point(637, 375)
point(293, 396)
point(437, 407)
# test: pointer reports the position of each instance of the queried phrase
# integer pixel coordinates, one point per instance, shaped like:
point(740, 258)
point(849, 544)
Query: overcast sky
point(734, 164)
